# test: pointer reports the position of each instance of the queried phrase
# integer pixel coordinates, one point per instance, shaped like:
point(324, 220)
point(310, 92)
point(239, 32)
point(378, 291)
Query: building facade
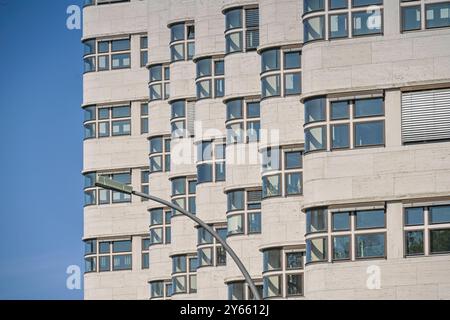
point(314, 135)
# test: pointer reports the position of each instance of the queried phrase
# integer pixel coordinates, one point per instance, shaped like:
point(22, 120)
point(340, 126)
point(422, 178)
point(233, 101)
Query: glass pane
point(233, 19)
point(121, 112)
point(254, 222)
point(369, 133)
point(370, 219)
point(341, 248)
point(313, 5)
point(121, 246)
point(178, 109)
point(219, 88)
point(272, 286)
point(369, 22)
point(89, 47)
point(155, 92)
point(156, 145)
point(89, 64)
point(293, 183)
point(316, 220)
point(314, 28)
point(120, 45)
point(156, 236)
point(271, 159)
point(369, 107)
point(370, 245)
point(340, 136)
point(414, 216)
point(341, 221)
point(272, 260)
point(270, 86)
point(438, 15)
point(204, 67)
point(440, 214)
point(253, 110)
point(177, 32)
point(89, 180)
point(90, 247)
point(220, 171)
point(235, 200)
point(219, 68)
point(235, 224)
point(157, 289)
point(179, 284)
point(233, 42)
point(271, 186)
point(204, 173)
point(315, 139)
point(315, 110)
point(292, 83)
point(104, 247)
point(294, 260)
point(178, 186)
point(338, 4)
point(156, 73)
point(205, 257)
point(179, 264)
point(294, 284)
point(293, 160)
point(103, 46)
point(253, 131)
point(221, 256)
point(316, 250)
point(292, 60)
point(190, 50)
point(89, 131)
point(122, 262)
point(236, 291)
point(156, 217)
point(411, 18)
point(103, 63)
point(235, 133)
point(339, 25)
point(177, 52)
point(270, 60)
point(414, 242)
point(234, 109)
point(104, 263)
point(204, 89)
point(121, 61)
point(121, 128)
point(339, 110)
point(440, 241)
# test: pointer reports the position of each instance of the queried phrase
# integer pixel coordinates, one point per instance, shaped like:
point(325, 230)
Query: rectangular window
point(340, 136)
point(314, 28)
point(235, 224)
point(341, 247)
point(316, 220)
point(414, 243)
point(369, 107)
point(271, 186)
point(316, 250)
point(270, 86)
point(272, 286)
point(338, 26)
point(341, 221)
point(339, 110)
point(437, 15)
point(122, 262)
point(294, 260)
point(233, 42)
point(370, 245)
point(315, 139)
point(369, 133)
point(294, 285)
point(411, 18)
point(439, 214)
point(122, 246)
point(292, 83)
point(254, 222)
point(315, 110)
point(414, 216)
point(440, 241)
point(272, 260)
point(293, 183)
point(367, 23)
point(370, 219)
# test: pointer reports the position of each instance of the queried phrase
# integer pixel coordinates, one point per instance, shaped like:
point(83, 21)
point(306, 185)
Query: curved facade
point(311, 135)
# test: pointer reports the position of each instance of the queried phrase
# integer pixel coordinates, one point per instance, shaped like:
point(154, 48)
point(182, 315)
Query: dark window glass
point(271, 186)
point(292, 60)
point(220, 171)
point(315, 110)
point(156, 217)
point(440, 214)
point(191, 32)
point(370, 245)
point(90, 247)
point(270, 60)
point(233, 42)
point(219, 68)
point(316, 220)
point(313, 5)
point(338, 4)
point(120, 45)
point(340, 136)
point(234, 109)
point(370, 219)
point(369, 133)
point(272, 286)
point(437, 15)
point(204, 173)
point(294, 284)
point(155, 145)
point(219, 88)
point(236, 291)
point(360, 3)
point(121, 112)
point(315, 139)
point(440, 241)
point(103, 46)
point(120, 61)
point(204, 67)
point(341, 221)
point(294, 260)
point(122, 262)
point(414, 242)
point(414, 216)
point(145, 261)
point(293, 183)
point(89, 47)
point(122, 246)
point(341, 248)
point(369, 107)
point(104, 247)
point(272, 260)
point(104, 263)
point(316, 250)
point(270, 86)
point(411, 18)
point(156, 73)
point(292, 83)
point(254, 222)
point(178, 186)
point(253, 110)
point(178, 109)
point(339, 110)
point(233, 19)
point(235, 200)
point(177, 32)
point(293, 160)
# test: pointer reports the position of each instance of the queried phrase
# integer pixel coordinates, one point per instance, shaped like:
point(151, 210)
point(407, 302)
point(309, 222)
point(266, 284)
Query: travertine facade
point(305, 131)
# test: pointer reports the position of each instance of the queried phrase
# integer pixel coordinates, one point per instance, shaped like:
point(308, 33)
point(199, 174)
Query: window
point(99, 196)
point(367, 121)
point(160, 226)
point(414, 243)
point(145, 260)
point(411, 18)
point(272, 260)
point(184, 269)
point(365, 228)
point(414, 216)
point(111, 256)
point(243, 123)
point(145, 183)
point(144, 52)
point(159, 82)
point(244, 215)
point(210, 162)
point(110, 122)
point(210, 79)
point(437, 15)
point(183, 194)
point(425, 116)
point(440, 241)
point(106, 54)
point(160, 289)
point(362, 18)
point(272, 286)
point(144, 118)
point(241, 29)
point(159, 154)
point(182, 118)
point(182, 44)
point(316, 220)
point(210, 251)
point(281, 64)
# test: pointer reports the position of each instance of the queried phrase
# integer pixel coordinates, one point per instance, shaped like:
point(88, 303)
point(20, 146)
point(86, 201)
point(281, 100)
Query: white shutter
point(425, 115)
point(190, 119)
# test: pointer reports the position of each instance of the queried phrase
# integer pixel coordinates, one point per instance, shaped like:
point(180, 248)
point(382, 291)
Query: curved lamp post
point(106, 183)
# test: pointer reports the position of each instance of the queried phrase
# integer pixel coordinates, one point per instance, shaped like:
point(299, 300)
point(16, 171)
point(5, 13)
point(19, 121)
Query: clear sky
point(41, 156)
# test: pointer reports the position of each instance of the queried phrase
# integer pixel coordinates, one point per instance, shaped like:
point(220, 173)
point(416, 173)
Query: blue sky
point(41, 159)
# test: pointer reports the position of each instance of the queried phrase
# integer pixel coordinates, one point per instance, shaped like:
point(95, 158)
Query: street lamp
point(106, 183)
